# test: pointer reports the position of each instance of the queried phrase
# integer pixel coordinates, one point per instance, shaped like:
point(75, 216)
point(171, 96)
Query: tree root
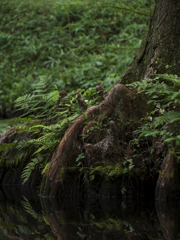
point(120, 100)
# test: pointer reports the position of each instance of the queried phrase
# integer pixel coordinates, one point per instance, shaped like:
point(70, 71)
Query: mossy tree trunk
point(160, 48)
point(159, 53)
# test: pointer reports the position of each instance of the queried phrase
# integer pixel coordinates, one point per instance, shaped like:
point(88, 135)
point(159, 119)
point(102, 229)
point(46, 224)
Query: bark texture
point(119, 101)
point(160, 48)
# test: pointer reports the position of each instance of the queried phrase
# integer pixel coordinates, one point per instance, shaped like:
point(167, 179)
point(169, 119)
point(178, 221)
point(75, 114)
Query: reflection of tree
point(108, 220)
point(169, 219)
point(69, 219)
point(19, 220)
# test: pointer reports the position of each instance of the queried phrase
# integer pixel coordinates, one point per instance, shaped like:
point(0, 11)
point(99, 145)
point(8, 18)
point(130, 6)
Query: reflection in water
point(29, 217)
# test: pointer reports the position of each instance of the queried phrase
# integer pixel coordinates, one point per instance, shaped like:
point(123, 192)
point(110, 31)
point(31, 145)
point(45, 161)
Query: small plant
point(162, 122)
point(79, 159)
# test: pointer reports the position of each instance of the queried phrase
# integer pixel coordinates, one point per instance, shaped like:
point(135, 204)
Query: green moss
point(111, 224)
point(172, 173)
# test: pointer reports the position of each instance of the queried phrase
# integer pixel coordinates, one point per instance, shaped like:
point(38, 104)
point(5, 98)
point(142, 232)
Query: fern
point(30, 167)
point(43, 134)
point(21, 120)
point(7, 146)
point(172, 79)
point(163, 92)
point(23, 230)
point(45, 168)
point(170, 117)
point(39, 100)
point(28, 208)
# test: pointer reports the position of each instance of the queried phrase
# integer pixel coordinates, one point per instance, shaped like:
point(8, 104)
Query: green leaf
point(80, 156)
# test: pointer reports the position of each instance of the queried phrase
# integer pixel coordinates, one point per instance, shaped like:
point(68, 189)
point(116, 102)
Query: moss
point(62, 173)
point(172, 173)
point(110, 224)
point(110, 170)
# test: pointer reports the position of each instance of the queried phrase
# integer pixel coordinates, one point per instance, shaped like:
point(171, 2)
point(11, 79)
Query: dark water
point(26, 216)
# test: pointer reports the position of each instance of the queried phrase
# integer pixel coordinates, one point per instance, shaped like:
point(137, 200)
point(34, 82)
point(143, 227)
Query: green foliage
point(30, 167)
point(24, 219)
point(114, 224)
point(28, 208)
point(46, 131)
point(163, 121)
point(79, 158)
point(110, 171)
point(40, 101)
point(78, 43)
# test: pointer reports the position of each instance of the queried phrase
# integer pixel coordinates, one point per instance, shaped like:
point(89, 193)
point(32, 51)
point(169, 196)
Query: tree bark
point(159, 53)
point(160, 48)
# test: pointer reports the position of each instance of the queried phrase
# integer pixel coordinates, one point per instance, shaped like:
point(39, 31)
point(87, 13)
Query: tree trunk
point(160, 48)
point(159, 53)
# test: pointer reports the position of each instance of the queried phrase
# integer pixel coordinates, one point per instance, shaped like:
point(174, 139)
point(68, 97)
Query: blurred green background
point(78, 43)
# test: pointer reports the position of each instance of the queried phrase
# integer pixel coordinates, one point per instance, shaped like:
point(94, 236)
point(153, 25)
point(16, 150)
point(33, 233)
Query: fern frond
point(45, 147)
point(21, 120)
point(28, 208)
point(22, 102)
point(40, 97)
point(29, 168)
point(7, 146)
point(166, 117)
point(45, 168)
point(22, 144)
point(175, 117)
point(171, 78)
point(23, 230)
point(134, 85)
point(175, 95)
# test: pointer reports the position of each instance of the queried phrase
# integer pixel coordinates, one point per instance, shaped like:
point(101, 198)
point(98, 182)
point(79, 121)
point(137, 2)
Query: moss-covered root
point(120, 100)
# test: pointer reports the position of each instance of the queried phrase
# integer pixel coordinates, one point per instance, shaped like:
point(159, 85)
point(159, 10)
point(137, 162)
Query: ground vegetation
point(80, 44)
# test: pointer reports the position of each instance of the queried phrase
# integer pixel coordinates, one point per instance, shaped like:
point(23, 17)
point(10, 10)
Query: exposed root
point(106, 150)
point(119, 97)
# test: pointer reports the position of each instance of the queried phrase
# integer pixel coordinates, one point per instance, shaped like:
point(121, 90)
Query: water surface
point(29, 217)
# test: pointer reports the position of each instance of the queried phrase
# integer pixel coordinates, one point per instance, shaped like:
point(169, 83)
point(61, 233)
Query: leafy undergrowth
point(78, 43)
point(161, 125)
point(48, 126)
point(42, 126)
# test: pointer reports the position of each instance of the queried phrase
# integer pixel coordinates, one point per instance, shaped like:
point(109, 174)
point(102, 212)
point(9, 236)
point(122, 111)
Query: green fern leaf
point(29, 168)
point(28, 208)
